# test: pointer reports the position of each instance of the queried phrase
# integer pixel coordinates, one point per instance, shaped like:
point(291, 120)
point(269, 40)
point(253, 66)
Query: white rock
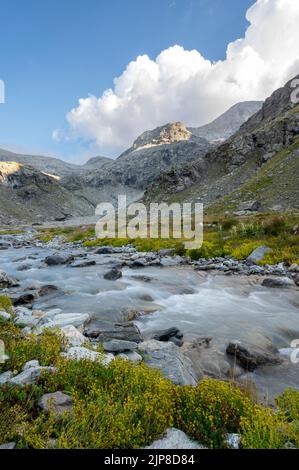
point(8, 446)
point(80, 353)
point(294, 268)
point(5, 315)
point(31, 364)
point(166, 356)
point(74, 337)
point(175, 439)
point(134, 357)
point(66, 319)
point(5, 377)
point(23, 311)
point(123, 356)
point(50, 315)
point(26, 320)
point(233, 440)
point(106, 359)
point(29, 376)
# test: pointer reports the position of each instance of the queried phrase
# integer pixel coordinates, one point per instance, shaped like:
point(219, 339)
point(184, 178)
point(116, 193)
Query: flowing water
point(199, 304)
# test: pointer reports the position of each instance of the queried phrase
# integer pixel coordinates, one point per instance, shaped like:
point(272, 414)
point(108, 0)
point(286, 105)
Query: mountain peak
point(164, 135)
point(229, 122)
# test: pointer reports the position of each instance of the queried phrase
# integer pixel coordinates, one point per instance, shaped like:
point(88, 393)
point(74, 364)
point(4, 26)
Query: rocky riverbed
point(218, 318)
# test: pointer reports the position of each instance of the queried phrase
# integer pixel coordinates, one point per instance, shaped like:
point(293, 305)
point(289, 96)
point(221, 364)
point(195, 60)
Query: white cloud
point(183, 85)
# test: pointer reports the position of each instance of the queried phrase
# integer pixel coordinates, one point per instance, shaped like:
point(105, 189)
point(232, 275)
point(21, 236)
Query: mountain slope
point(31, 196)
point(221, 175)
point(153, 152)
point(229, 122)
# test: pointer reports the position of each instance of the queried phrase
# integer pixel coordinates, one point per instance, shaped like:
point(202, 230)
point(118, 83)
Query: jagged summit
point(163, 135)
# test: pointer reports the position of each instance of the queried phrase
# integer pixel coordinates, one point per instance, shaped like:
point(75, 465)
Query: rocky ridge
point(260, 161)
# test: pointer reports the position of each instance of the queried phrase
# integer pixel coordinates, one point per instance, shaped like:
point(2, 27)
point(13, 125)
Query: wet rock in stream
point(250, 359)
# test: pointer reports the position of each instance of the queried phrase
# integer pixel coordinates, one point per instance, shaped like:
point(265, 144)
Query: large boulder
point(118, 346)
point(273, 282)
point(167, 357)
point(55, 260)
point(73, 336)
point(165, 335)
point(251, 206)
point(83, 354)
point(250, 359)
point(30, 375)
point(258, 254)
point(22, 299)
point(57, 403)
point(106, 332)
point(113, 274)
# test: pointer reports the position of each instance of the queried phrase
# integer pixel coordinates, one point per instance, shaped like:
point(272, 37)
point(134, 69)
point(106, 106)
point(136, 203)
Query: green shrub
point(21, 349)
point(265, 429)
point(6, 304)
point(210, 410)
point(288, 403)
point(121, 406)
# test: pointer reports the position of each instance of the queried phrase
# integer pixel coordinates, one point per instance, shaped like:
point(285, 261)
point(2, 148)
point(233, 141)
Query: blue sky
point(53, 52)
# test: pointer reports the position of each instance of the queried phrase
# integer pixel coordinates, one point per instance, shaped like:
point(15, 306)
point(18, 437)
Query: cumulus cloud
point(183, 85)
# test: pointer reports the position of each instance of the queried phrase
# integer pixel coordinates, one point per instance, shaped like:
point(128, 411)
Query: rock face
point(153, 152)
point(251, 359)
point(175, 439)
point(167, 357)
point(30, 195)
